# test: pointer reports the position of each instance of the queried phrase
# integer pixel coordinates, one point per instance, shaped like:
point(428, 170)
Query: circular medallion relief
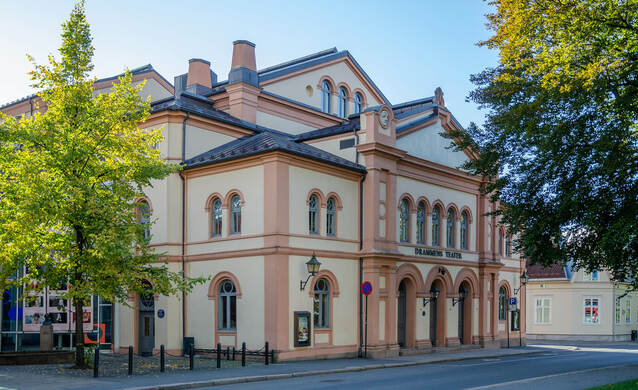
point(384, 118)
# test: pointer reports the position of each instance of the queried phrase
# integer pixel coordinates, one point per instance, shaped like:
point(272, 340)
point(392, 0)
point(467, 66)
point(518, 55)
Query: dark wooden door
point(461, 306)
point(401, 315)
point(433, 320)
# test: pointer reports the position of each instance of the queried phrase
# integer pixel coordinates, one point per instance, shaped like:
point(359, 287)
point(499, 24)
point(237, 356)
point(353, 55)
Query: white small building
point(578, 305)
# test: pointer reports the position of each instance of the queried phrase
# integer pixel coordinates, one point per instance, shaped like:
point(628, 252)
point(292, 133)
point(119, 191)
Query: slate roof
point(344, 127)
point(141, 69)
point(555, 271)
point(268, 141)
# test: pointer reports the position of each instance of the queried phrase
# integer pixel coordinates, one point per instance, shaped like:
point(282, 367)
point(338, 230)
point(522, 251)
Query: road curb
point(261, 378)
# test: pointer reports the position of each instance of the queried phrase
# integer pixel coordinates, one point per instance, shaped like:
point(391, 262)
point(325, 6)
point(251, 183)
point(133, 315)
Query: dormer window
point(343, 102)
point(326, 90)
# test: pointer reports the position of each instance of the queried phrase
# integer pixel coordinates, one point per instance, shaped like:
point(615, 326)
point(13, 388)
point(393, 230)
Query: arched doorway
point(437, 313)
point(465, 313)
point(406, 313)
point(146, 323)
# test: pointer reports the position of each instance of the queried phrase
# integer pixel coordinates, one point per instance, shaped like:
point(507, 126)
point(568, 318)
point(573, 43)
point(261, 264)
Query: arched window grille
point(450, 228)
point(326, 91)
point(144, 218)
point(322, 304)
point(404, 216)
point(235, 215)
point(436, 226)
point(227, 306)
point(420, 223)
point(313, 215)
point(343, 101)
point(331, 217)
point(216, 215)
point(464, 230)
point(502, 303)
point(358, 103)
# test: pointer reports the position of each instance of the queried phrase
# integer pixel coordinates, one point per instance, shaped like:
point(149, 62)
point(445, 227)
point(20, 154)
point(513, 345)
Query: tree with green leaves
point(70, 179)
point(559, 147)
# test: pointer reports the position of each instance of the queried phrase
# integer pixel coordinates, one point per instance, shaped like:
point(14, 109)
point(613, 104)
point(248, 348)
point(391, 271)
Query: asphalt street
point(563, 368)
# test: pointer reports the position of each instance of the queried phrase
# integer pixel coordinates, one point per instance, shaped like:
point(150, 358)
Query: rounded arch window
point(235, 214)
point(313, 214)
point(436, 226)
point(420, 223)
point(326, 91)
point(227, 306)
point(331, 217)
point(450, 227)
point(216, 215)
point(358, 103)
point(464, 230)
point(404, 221)
point(322, 304)
point(502, 303)
point(343, 101)
point(144, 218)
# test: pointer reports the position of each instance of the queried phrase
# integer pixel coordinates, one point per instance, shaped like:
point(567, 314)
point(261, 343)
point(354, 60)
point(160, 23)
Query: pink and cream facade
point(309, 157)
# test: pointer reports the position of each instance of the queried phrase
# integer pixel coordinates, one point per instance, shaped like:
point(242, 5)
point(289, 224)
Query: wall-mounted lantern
point(461, 298)
point(524, 278)
point(434, 294)
point(313, 267)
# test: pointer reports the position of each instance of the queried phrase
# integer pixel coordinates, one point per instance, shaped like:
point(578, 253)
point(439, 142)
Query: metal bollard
point(243, 354)
point(191, 358)
point(130, 360)
point(162, 359)
point(233, 353)
point(219, 355)
point(227, 353)
point(266, 353)
point(96, 362)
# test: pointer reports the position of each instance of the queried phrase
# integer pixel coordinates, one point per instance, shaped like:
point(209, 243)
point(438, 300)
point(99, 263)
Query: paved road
point(559, 369)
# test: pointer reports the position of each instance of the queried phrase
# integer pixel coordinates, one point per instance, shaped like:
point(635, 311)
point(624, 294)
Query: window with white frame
point(590, 276)
point(451, 220)
point(436, 226)
point(227, 306)
point(628, 310)
point(331, 217)
point(235, 215)
point(404, 221)
point(358, 103)
point(322, 304)
point(420, 223)
point(326, 91)
point(618, 314)
point(464, 230)
point(543, 310)
point(591, 306)
point(216, 215)
point(313, 215)
point(343, 102)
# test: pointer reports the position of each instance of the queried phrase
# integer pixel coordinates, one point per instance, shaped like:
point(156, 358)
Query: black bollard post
point(219, 355)
point(243, 354)
point(130, 360)
point(96, 362)
point(228, 353)
point(162, 361)
point(266, 354)
point(233, 353)
point(192, 357)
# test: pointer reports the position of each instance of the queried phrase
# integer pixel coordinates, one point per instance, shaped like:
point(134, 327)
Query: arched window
point(331, 217)
point(450, 228)
point(436, 226)
point(464, 230)
point(216, 215)
point(326, 91)
point(343, 101)
point(144, 218)
point(420, 223)
point(235, 215)
point(322, 304)
point(404, 227)
point(358, 103)
point(313, 215)
point(500, 242)
point(502, 303)
point(508, 243)
point(227, 306)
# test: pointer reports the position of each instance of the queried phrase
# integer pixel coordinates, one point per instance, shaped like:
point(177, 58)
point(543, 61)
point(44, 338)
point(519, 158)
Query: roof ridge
point(298, 60)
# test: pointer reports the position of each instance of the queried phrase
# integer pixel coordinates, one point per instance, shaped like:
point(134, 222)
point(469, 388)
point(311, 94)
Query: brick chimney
point(243, 82)
point(199, 73)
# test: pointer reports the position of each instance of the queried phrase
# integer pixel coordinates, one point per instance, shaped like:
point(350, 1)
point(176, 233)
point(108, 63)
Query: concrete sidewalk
point(16, 377)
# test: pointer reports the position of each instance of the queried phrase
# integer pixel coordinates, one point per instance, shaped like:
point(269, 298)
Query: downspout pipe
point(181, 175)
point(356, 160)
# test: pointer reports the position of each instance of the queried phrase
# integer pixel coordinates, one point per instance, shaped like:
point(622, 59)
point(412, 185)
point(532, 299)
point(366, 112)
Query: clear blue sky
point(407, 47)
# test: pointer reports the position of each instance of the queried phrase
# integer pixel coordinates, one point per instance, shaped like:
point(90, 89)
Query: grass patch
point(632, 384)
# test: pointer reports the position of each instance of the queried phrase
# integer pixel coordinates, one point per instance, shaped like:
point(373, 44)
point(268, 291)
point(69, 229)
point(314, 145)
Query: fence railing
point(228, 353)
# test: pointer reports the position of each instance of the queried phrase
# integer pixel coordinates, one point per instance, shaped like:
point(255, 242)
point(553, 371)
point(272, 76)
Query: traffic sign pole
point(366, 289)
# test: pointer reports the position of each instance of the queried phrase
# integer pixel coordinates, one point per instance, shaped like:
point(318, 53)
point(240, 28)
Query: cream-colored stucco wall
point(199, 140)
point(302, 181)
point(333, 146)
point(434, 192)
point(345, 318)
point(295, 87)
point(282, 124)
point(248, 181)
point(429, 145)
point(249, 271)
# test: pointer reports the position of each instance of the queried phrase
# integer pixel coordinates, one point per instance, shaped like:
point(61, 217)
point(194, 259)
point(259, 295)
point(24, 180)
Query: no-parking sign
point(366, 288)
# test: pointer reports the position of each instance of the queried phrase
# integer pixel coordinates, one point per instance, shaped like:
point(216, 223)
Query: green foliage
point(559, 148)
point(70, 178)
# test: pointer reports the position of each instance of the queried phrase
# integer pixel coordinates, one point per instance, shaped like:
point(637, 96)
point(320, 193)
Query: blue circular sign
point(366, 288)
point(160, 313)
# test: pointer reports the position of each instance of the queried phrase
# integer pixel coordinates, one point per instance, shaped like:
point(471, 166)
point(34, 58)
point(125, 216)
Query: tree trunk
point(79, 333)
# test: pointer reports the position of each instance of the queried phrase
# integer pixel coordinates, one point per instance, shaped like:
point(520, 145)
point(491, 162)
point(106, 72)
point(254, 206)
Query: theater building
point(309, 158)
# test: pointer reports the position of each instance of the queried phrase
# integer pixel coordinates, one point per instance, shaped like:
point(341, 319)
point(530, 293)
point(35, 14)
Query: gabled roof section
point(314, 60)
point(353, 124)
point(139, 70)
point(555, 271)
point(407, 126)
point(264, 142)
